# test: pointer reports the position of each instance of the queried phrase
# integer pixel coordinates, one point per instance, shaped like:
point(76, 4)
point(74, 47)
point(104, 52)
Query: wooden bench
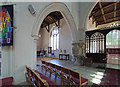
point(73, 77)
point(6, 81)
point(77, 79)
point(44, 66)
point(37, 79)
point(50, 83)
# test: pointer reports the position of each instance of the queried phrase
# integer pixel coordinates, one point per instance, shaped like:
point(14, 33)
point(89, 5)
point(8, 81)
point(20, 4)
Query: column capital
point(35, 37)
point(78, 43)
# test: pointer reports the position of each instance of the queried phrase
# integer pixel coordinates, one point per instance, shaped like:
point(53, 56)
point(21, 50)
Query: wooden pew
point(66, 74)
point(50, 83)
point(28, 75)
point(58, 73)
point(34, 79)
point(37, 79)
point(73, 77)
point(48, 67)
point(43, 65)
point(52, 69)
point(6, 82)
point(77, 79)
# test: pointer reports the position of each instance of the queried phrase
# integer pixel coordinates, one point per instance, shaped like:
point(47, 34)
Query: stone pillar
point(78, 51)
point(74, 52)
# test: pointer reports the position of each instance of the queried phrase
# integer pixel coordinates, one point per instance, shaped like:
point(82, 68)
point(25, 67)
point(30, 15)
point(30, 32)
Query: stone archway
point(62, 8)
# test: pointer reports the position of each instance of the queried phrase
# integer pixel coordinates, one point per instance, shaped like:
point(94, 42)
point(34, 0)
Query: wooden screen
point(87, 44)
point(97, 43)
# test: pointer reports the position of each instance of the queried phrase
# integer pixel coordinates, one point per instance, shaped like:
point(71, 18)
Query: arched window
point(87, 44)
point(54, 38)
point(113, 39)
point(97, 43)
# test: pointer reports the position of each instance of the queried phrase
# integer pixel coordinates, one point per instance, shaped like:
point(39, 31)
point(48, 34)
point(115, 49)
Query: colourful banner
point(6, 25)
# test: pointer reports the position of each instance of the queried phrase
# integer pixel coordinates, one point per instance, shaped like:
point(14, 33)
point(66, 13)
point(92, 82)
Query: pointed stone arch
point(62, 8)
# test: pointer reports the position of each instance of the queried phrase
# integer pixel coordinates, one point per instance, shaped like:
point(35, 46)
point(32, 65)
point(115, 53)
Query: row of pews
point(72, 77)
point(37, 79)
point(6, 82)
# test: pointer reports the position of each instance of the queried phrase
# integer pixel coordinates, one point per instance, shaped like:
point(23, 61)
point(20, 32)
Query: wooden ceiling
point(105, 12)
point(53, 17)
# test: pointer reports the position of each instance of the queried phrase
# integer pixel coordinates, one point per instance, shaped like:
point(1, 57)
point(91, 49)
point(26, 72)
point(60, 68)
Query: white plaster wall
point(22, 53)
point(23, 42)
point(90, 25)
point(76, 11)
point(39, 45)
point(65, 39)
point(45, 38)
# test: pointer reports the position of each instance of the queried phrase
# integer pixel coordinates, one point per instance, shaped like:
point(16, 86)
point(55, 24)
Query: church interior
point(58, 44)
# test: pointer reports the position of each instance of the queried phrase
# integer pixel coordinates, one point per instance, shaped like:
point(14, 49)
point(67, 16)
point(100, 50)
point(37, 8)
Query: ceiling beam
point(105, 6)
point(107, 22)
point(46, 22)
point(56, 20)
point(115, 7)
point(109, 5)
point(94, 11)
point(47, 28)
point(97, 17)
point(49, 18)
point(116, 19)
point(54, 16)
point(92, 19)
point(102, 11)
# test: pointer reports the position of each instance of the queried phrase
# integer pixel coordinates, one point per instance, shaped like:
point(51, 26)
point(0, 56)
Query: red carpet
point(111, 77)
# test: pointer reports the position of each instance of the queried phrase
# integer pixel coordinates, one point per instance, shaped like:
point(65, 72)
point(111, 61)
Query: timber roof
point(105, 12)
point(52, 18)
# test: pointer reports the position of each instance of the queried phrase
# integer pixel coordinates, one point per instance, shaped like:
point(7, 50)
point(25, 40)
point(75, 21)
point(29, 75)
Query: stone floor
point(91, 73)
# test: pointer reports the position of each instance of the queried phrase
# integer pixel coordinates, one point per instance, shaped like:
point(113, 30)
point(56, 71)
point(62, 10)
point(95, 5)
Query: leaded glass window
point(113, 39)
point(97, 43)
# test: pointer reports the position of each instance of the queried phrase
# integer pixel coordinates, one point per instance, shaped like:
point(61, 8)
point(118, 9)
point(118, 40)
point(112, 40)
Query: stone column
point(78, 51)
point(74, 52)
